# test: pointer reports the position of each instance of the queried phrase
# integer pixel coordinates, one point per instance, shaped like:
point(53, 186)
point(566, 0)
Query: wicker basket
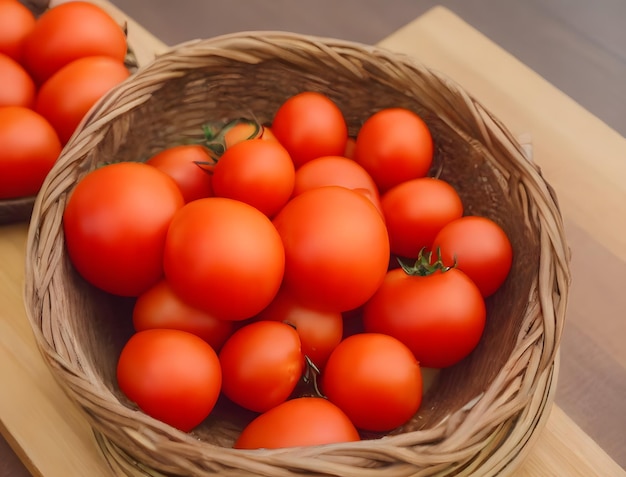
point(480, 416)
point(19, 209)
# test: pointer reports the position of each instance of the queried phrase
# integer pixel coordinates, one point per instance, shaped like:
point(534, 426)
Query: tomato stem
point(310, 378)
point(424, 265)
point(206, 166)
point(219, 136)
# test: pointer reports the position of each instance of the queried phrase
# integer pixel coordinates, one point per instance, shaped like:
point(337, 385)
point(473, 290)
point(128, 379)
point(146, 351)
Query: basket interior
point(99, 324)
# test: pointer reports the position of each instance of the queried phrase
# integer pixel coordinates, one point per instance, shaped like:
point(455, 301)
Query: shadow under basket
point(480, 417)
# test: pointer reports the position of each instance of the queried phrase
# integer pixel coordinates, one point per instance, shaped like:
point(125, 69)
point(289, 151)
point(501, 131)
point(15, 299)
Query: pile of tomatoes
point(53, 69)
point(301, 274)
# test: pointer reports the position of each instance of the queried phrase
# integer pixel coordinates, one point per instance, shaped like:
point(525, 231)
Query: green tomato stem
point(423, 265)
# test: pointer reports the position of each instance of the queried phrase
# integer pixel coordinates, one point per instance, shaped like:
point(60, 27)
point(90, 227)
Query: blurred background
point(577, 45)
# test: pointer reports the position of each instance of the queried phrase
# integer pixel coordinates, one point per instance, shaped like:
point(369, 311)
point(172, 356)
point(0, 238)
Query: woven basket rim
point(185, 57)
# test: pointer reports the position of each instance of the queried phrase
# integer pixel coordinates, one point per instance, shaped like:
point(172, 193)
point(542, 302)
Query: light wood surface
point(581, 156)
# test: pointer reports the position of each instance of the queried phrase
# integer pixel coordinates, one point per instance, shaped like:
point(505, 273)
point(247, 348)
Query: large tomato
point(479, 247)
point(375, 380)
point(224, 257)
point(29, 146)
point(320, 331)
point(439, 315)
point(336, 247)
point(416, 210)
point(394, 145)
point(257, 172)
point(16, 86)
point(66, 97)
point(172, 375)
point(310, 125)
point(261, 363)
point(305, 421)
point(16, 23)
point(115, 224)
point(181, 163)
point(160, 307)
point(70, 31)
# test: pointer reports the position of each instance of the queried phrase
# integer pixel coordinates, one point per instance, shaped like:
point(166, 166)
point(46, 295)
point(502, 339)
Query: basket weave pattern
point(479, 418)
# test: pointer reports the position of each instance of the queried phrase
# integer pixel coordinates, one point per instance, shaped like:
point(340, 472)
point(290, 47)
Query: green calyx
point(424, 265)
point(219, 136)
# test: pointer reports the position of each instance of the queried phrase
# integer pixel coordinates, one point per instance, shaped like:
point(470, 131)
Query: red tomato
point(181, 164)
point(481, 249)
point(29, 146)
point(310, 125)
point(336, 170)
point(172, 375)
point(320, 331)
point(224, 257)
point(305, 421)
point(336, 247)
point(416, 210)
point(66, 97)
point(16, 86)
point(375, 380)
point(115, 224)
point(160, 307)
point(440, 316)
point(70, 31)
point(16, 23)
point(394, 145)
point(261, 364)
point(257, 172)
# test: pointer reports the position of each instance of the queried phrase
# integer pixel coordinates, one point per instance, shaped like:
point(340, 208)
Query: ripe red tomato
point(224, 257)
point(440, 316)
point(261, 364)
point(257, 172)
point(481, 249)
point(320, 331)
point(416, 210)
point(115, 224)
point(29, 147)
point(16, 23)
point(336, 170)
point(70, 31)
point(305, 421)
point(66, 97)
point(172, 375)
point(181, 164)
point(394, 145)
point(375, 380)
point(16, 86)
point(310, 125)
point(160, 307)
point(336, 247)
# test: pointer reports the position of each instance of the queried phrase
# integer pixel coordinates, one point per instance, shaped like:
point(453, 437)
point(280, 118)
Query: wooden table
point(583, 159)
